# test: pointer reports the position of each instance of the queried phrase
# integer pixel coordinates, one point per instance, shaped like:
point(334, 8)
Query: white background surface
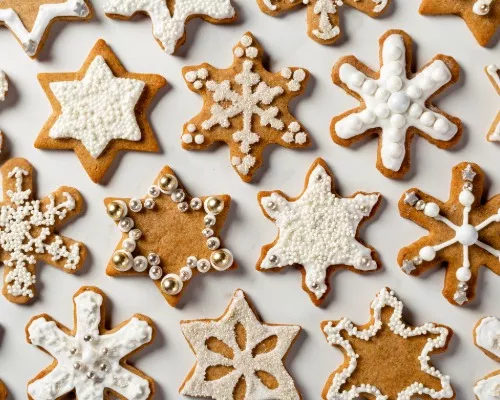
point(278, 297)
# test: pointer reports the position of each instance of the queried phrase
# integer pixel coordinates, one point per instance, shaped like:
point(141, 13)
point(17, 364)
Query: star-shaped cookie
point(246, 107)
point(493, 73)
point(386, 358)
point(487, 338)
point(99, 111)
point(169, 236)
point(30, 20)
point(239, 357)
point(481, 16)
point(318, 231)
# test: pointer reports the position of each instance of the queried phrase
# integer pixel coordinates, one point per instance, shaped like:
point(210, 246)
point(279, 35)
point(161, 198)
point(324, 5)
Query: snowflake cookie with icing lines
point(90, 362)
point(30, 20)
point(169, 17)
point(395, 103)
point(239, 357)
point(28, 230)
point(246, 107)
point(323, 17)
point(464, 233)
point(487, 338)
point(493, 72)
point(318, 231)
point(386, 359)
point(99, 111)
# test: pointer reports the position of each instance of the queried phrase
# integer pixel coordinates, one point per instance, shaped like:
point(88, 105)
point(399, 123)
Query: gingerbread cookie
point(386, 358)
point(464, 233)
point(493, 72)
point(99, 111)
point(481, 16)
point(323, 18)
point(30, 20)
point(487, 338)
point(395, 103)
point(169, 17)
point(239, 357)
point(169, 236)
point(90, 362)
point(28, 230)
point(245, 106)
point(318, 231)
point(3, 391)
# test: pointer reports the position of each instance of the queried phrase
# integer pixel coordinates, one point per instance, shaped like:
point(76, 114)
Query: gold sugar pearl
point(214, 205)
point(117, 209)
point(168, 183)
point(122, 261)
point(221, 259)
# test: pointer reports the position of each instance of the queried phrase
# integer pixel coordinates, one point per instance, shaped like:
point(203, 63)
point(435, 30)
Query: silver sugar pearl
point(149, 203)
point(462, 286)
point(135, 205)
point(420, 205)
point(87, 338)
point(191, 261)
point(209, 220)
point(207, 232)
point(128, 245)
point(468, 186)
point(135, 234)
point(273, 259)
point(178, 195)
point(196, 203)
point(183, 207)
point(363, 208)
point(140, 264)
point(90, 375)
point(203, 265)
point(154, 191)
point(104, 351)
point(213, 243)
point(153, 259)
point(104, 367)
point(81, 9)
point(126, 224)
point(185, 273)
point(365, 260)
point(77, 365)
point(155, 272)
point(315, 286)
point(73, 351)
point(271, 205)
point(417, 260)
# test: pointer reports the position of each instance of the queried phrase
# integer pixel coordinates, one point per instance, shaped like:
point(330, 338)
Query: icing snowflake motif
point(493, 72)
point(344, 334)
point(89, 360)
point(246, 349)
point(27, 231)
point(486, 336)
point(168, 28)
point(394, 104)
point(465, 225)
point(323, 18)
point(247, 111)
point(4, 85)
point(318, 230)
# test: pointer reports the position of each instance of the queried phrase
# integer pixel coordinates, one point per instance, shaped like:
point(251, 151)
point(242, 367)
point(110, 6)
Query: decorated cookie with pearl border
point(464, 233)
point(493, 72)
point(487, 338)
point(396, 104)
point(318, 231)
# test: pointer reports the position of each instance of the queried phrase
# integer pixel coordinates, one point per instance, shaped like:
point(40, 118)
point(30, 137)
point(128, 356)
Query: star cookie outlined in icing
point(90, 360)
point(245, 106)
point(28, 231)
point(83, 102)
point(396, 104)
point(493, 73)
point(487, 338)
point(318, 231)
point(238, 350)
point(389, 340)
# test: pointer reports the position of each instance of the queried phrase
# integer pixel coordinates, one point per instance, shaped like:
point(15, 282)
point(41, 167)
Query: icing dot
point(440, 74)
point(431, 210)
point(246, 41)
point(187, 138)
point(395, 68)
point(427, 253)
point(355, 123)
point(357, 79)
point(467, 235)
point(286, 73)
point(393, 52)
point(395, 150)
point(294, 127)
point(427, 118)
point(199, 139)
point(299, 75)
point(198, 85)
point(464, 274)
point(382, 94)
point(191, 128)
point(394, 135)
point(382, 111)
point(369, 87)
point(202, 73)
point(394, 83)
point(239, 52)
point(426, 83)
point(293, 86)
point(441, 125)
point(398, 121)
point(466, 198)
point(367, 116)
point(252, 52)
point(416, 110)
point(190, 76)
point(414, 92)
point(399, 102)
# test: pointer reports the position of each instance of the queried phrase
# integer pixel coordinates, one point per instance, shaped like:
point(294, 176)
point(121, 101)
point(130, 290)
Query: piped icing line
point(487, 338)
point(493, 72)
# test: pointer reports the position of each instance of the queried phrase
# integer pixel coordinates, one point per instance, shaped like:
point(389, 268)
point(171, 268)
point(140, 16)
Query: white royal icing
point(395, 103)
point(243, 362)
point(167, 28)
point(482, 7)
point(89, 366)
point(487, 337)
point(318, 230)
point(335, 337)
point(97, 109)
point(4, 85)
point(494, 72)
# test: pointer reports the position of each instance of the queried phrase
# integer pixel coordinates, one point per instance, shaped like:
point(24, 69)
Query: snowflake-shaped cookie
point(386, 359)
point(245, 106)
point(90, 360)
point(28, 230)
point(30, 20)
point(493, 72)
point(487, 338)
point(239, 357)
point(169, 17)
point(395, 103)
point(323, 18)
point(318, 231)
point(464, 233)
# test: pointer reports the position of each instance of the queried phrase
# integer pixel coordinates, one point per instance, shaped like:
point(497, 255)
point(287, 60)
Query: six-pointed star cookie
point(464, 233)
point(30, 20)
point(99, 111)
point(487, 338)
point(395, 103)
point(90, 362)
point(239, 357)
point(245, 106)
point(481, 16)
point(169, 236)
point(385, 358)
point(169, 17)
point(493, 72)
point(28, 230)
point(318, 231)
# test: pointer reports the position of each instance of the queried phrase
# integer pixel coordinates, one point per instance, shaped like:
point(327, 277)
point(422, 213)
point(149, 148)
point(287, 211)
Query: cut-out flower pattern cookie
point(395, 103)
point(90, 362)
point(386, 359)
point(28, 230)
point(318, 231)
point(30, 20)
point(99, 111)
point(323, 18)
point(169, 17)
point(493, 72)
point(464, 233)
point(487, 338)
point(169, 236)
point(239, 357)
point(246, 107)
